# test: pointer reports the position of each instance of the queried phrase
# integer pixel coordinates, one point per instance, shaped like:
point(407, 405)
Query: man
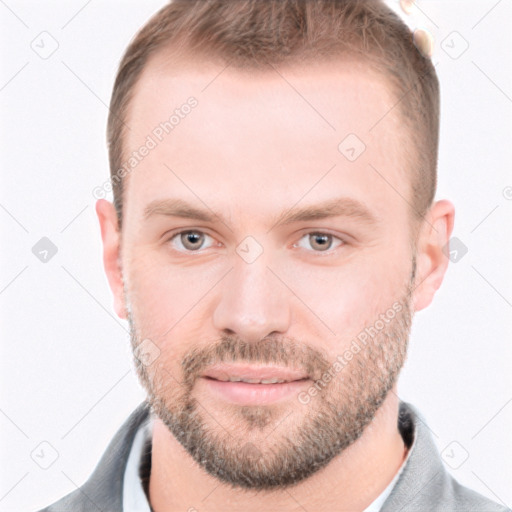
point(273, 233)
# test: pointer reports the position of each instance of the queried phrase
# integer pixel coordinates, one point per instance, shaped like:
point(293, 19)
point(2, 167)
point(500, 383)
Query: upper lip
point(253, 373)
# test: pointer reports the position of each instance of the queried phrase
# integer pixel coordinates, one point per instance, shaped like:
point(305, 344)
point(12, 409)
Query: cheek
point(352, 294)
point(169, 303)
point(158, 288)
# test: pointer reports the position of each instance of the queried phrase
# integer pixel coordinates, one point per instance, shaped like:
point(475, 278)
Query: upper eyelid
point(306, 232)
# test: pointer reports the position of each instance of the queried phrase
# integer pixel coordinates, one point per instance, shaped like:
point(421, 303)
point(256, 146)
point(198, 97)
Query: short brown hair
point(249, 34)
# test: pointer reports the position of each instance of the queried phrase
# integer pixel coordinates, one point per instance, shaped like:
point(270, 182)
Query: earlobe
point(111, 238)
point(432, 261)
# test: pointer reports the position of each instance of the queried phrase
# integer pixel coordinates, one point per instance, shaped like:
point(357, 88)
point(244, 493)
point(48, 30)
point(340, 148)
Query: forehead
point(265, 137)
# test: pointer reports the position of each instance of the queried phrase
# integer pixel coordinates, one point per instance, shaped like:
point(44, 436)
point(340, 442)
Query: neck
point(351, 481)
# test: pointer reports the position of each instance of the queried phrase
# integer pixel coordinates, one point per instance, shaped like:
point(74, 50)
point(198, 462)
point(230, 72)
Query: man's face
point(247, 295)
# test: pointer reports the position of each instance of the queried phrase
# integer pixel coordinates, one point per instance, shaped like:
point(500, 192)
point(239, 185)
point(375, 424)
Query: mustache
point(228, 349)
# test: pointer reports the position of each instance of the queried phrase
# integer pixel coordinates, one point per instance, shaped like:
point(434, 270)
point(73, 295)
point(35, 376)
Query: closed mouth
point(273, 380)
point(251, 374)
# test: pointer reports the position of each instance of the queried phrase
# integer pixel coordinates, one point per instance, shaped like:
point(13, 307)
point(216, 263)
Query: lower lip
point(244, 393)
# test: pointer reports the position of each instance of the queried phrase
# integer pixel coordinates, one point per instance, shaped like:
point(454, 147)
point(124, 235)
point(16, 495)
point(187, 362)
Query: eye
point(188, 241)
point(321, 241)
point(193, 240)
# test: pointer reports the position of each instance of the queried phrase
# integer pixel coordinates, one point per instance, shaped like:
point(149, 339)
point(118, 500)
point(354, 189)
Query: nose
point(253, 302)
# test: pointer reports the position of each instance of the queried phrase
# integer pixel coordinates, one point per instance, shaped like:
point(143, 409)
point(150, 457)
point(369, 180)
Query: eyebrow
point(336, 207)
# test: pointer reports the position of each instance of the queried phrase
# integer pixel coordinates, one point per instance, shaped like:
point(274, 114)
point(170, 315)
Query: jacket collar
point(105, 486)
point(423, 470)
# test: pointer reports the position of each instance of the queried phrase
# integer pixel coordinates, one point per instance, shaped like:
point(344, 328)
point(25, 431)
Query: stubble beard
point(319, 431)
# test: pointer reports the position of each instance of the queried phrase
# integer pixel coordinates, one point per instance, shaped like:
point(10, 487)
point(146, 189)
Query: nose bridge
point(253, 302)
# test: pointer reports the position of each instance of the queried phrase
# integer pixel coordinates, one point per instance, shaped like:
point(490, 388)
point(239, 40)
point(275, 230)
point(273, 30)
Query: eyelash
point(319, 253)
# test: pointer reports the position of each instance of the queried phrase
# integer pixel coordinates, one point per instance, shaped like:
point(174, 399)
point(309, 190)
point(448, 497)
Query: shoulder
point(425, 483)
point(104, 488)
point(73, 501)
point(466, 500)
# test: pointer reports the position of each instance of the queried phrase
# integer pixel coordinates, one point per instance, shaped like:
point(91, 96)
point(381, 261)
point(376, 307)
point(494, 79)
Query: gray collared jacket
point(423, 486)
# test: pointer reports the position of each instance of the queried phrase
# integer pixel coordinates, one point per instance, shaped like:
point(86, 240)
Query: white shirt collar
point(377, 503)
point(134, 497)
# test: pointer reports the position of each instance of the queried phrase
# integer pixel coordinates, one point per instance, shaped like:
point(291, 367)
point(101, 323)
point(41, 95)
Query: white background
point(66, 369)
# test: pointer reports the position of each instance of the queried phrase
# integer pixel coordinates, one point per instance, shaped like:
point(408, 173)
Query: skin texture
point(256, 145)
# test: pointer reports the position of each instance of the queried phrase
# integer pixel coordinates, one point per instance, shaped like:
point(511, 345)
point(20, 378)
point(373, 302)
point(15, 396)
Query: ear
point(431, 259)
point(111, 237)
